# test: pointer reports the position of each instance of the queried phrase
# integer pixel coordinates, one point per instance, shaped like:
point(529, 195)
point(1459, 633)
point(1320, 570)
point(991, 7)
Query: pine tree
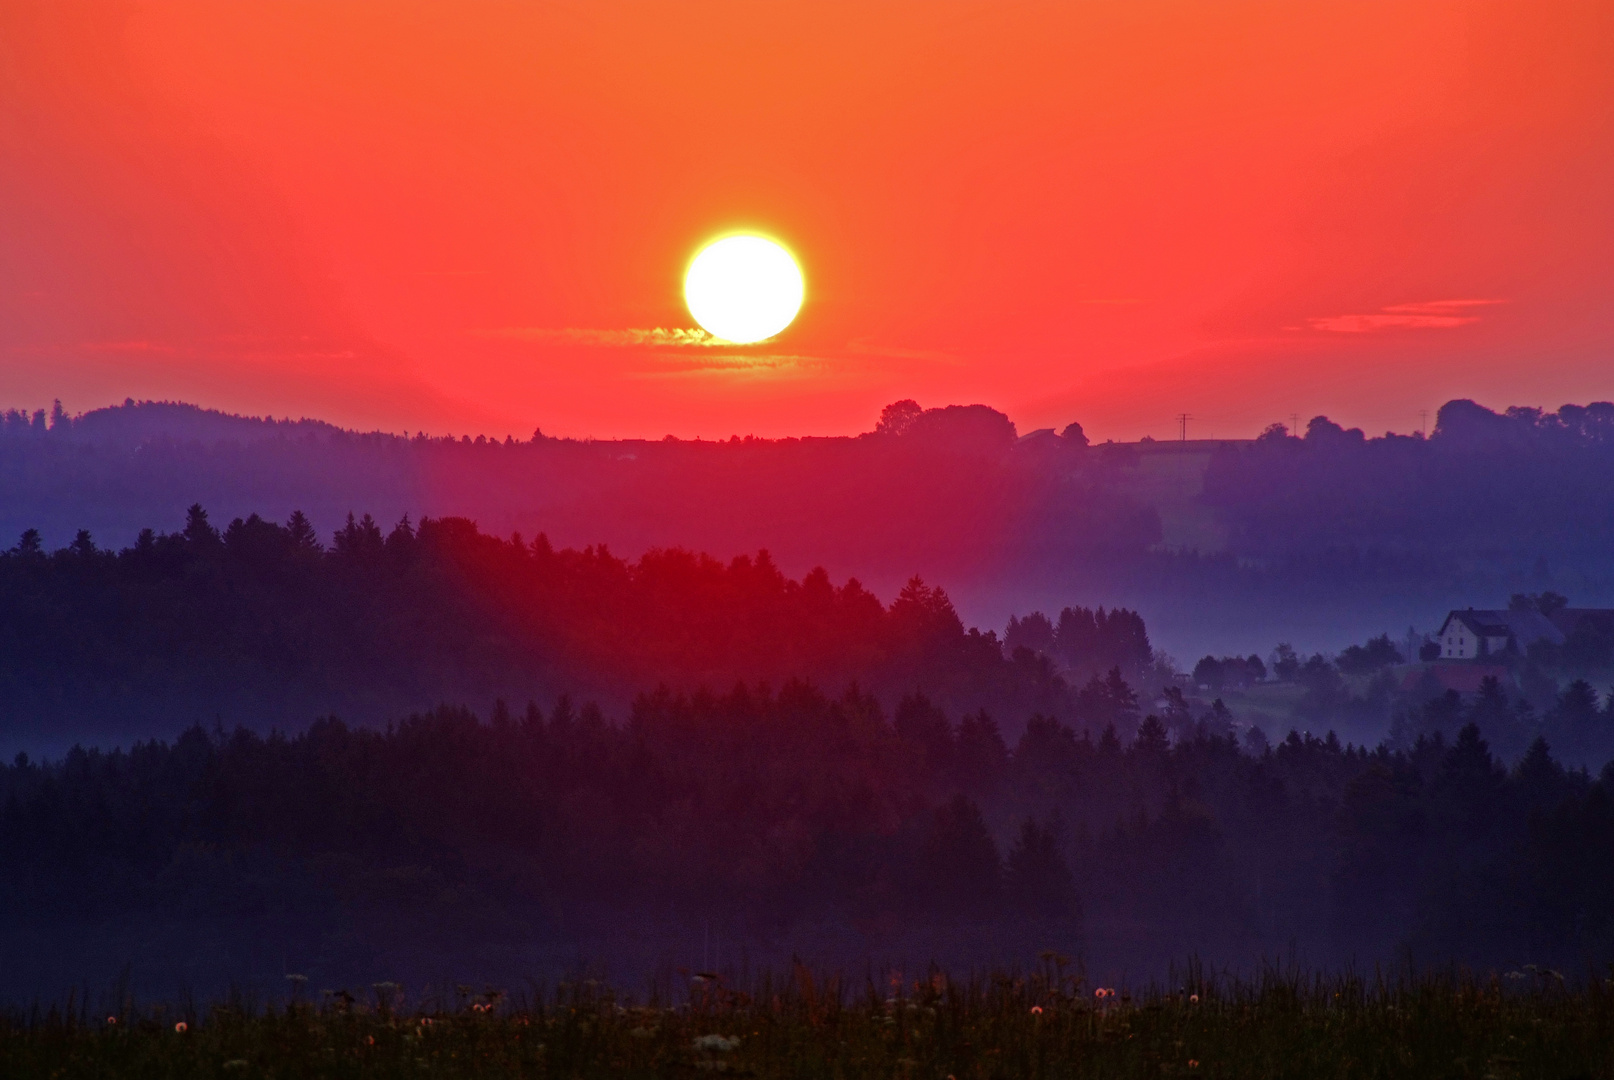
point(1039, 881)
point(961, 871)
point(198, 533)
point(304, 540)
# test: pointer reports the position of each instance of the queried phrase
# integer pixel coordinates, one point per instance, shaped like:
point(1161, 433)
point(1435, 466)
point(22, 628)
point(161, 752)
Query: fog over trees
point(280, 729)
point(790, 820)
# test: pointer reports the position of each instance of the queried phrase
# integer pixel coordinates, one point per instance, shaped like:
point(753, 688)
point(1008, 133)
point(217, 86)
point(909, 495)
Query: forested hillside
point(261, 624)
point(737, 828)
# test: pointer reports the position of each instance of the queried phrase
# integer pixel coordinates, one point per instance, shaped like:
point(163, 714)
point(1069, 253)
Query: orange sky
point(462, 216)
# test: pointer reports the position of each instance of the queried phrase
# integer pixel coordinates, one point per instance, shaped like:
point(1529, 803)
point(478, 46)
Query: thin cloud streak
point(626, 338)
point(1422, 315)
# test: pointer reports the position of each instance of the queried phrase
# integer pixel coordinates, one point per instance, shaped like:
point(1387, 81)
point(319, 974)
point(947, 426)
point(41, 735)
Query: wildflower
point(1099, 992)
point(369, 1040)
point(1193, 1063)
point(182, 1027)
point(1036, 1010)
point(425, 1021)
point(1195, 998)
point(112, 1019)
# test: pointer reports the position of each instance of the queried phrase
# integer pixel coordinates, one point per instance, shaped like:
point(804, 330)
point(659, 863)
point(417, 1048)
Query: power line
point(1182, 426)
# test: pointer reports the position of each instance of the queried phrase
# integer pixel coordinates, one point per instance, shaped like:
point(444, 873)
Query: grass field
point(1047, 1024)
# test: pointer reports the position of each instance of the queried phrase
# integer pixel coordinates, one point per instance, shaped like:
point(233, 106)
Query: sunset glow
point(421, 215)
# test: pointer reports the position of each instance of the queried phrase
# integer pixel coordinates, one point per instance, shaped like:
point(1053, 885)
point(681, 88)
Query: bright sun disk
point(743, 288)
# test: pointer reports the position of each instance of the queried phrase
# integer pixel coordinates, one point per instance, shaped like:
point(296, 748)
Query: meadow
point(1048, 1023)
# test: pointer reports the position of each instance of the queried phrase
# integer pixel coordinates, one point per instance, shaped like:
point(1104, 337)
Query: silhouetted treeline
point(771, 815)
point(939, 492)
point(1572, 720)
point(1322, 540)
point(1085, 642)
point(1525, 485)
point(260, 623)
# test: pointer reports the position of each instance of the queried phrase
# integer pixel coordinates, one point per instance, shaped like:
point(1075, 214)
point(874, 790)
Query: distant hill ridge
point(1321, 537)
point(135, 422)
point(1460, 423)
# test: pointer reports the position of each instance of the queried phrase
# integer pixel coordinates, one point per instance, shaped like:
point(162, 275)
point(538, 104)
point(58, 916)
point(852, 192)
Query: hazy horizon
point(418, 217)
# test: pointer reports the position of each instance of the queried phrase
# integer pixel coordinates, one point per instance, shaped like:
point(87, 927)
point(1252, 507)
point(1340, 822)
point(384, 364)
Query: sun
point(743, 288)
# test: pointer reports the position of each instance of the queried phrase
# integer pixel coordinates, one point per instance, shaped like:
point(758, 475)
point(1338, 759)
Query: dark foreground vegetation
point(1518, 1024)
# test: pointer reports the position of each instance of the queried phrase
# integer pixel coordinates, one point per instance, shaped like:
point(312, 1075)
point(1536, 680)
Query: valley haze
point(1206, 537)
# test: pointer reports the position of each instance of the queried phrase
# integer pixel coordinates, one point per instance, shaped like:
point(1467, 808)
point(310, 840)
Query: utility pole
point(1182, 426)
point(1294, 424)
point(1423, 422)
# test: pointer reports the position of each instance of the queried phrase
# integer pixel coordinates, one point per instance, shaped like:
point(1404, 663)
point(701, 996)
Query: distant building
point(1480, 632)
point(1476, 633)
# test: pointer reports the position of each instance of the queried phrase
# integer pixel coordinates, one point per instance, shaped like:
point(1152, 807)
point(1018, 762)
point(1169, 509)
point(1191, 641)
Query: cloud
point(682, 354)
point(1423, 315)
point(677, 336)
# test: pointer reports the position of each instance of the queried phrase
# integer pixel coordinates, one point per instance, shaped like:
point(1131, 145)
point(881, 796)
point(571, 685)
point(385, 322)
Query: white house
point(1479, 632)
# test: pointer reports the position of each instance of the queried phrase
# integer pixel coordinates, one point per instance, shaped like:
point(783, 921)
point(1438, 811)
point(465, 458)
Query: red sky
point(463, 216)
